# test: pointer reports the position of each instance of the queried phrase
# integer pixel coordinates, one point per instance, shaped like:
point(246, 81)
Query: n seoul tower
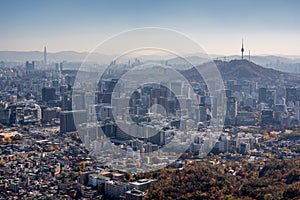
point(242, 49)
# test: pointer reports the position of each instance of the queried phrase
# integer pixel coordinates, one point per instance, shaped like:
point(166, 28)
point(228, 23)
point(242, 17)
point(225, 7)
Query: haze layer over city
point(149, 99)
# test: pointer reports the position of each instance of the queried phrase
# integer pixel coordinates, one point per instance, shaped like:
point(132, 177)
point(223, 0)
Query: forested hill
point(277, 179)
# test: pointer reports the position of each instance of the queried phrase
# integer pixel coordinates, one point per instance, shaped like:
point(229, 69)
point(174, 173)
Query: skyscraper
point(262, 95)
point(29, 66)
point(231, 111)
point(266, 117)
point(48, 94)
point(67, 122)
point(45, 56)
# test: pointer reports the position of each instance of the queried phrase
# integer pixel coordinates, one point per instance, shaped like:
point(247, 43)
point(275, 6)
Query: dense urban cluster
point(41, 163)
point(57, 142)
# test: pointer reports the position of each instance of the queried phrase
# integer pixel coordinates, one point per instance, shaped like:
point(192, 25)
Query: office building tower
point(78, 100)
point(29, 66)
point(176, 88)
point(231, 111)
point(267, 117)
point(66, 102)
point(48, 94)
point(262, 95)
point(69, 118)
point(270, 97)
point(67, 122)
point(244, 147)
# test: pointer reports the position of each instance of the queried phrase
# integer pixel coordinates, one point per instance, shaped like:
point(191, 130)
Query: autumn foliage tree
point(277, 180)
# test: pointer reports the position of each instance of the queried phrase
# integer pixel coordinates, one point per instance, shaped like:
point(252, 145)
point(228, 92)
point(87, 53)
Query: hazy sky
point(268, 27)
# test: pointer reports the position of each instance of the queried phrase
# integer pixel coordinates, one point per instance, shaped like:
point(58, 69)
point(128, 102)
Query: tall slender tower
point(242, 49)
point(45, 56)
point(249, 55)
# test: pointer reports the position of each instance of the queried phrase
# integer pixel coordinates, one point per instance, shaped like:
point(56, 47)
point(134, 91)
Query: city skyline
point(217, 26)
point(140, 100)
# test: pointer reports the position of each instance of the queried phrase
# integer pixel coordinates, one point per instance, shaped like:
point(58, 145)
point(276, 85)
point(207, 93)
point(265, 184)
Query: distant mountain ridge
point(282, 63)
point(21, 56)
point(70, 56)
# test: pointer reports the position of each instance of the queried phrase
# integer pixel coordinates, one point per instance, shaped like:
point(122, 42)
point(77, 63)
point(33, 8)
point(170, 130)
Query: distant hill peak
point(240, 70)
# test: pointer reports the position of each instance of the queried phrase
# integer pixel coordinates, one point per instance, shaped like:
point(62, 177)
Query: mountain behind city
point(242, 70)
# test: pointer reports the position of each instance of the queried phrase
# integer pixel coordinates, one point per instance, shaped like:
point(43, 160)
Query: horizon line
point(187, 54)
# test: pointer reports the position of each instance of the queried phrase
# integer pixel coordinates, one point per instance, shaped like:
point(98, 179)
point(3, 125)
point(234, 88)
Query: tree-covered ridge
point(277, 179)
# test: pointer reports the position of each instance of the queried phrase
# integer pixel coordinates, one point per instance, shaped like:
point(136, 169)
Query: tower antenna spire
point(242, 49)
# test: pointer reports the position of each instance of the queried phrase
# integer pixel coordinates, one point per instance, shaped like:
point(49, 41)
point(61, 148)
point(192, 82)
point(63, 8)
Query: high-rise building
point(245, 118)
point(244, 147)
point(68, 119)
point(29, 66)
point(176, 88)
point(78, 100)
point(4, 115)
point(67, 122)
point(270, 97)
point(56, 67)
point(267, 117)
point(66, 102)
point(61, 66)
point(45, 56)
point(48, 94)
point(231, 111)
point(48, 114)
point(159, 138)
point(103, 112)
point(115, 189)
point(262, 95)
point(228, 93)
point(202, 113)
